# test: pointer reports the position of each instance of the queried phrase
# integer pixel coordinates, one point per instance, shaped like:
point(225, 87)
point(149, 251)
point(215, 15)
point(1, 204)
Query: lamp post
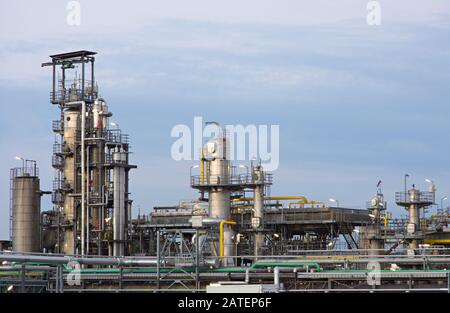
point(190, 172)
point(335, 201)
point(406, 186)
point(23, 163)
point(442, 203)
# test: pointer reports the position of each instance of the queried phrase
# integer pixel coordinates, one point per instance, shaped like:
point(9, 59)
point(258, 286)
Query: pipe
point(247, 276)
point(302, 204)
point(83, 183)
point(384, 218)
point(276, 277)
point(87, 199)
point(275, 198)
point(202, 166)
point(221, 239)
point(65, 259)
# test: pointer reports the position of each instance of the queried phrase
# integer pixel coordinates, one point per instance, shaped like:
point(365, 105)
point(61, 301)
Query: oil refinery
point(235, 237)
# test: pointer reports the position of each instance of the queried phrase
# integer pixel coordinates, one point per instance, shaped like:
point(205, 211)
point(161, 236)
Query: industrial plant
point(236, 236)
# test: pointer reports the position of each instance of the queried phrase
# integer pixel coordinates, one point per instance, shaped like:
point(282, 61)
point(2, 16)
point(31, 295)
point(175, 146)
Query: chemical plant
point(236, 236)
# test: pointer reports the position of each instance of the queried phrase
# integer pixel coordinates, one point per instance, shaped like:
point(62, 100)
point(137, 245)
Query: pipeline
point(65, 259)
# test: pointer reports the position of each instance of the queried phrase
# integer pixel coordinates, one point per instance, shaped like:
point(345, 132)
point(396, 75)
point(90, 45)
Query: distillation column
point(414, 216)
point(119, 220)
point(90, 161)
point(258, 215)
point(68, 180)
point(414, 200)
point(219, 198)
point(370, 235)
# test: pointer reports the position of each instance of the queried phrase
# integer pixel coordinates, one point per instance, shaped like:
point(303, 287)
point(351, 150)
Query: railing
point(61, 184)
point(239, 179)
point(24, 171)
point(416, 197)
point(74, 92)
point(57, 126)
point(115, 136)
point(57, 197)
point(380, 207)
point(57, 161)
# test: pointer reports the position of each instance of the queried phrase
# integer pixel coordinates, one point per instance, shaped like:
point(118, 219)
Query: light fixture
point(330, 244)
point(276, 235)
point(372, 216)
point(335, 201)
point(10, 288)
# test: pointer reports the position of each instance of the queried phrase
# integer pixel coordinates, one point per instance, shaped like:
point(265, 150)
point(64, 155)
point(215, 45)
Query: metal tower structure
point(221, 181)
point(414, 200)
point(91, 161)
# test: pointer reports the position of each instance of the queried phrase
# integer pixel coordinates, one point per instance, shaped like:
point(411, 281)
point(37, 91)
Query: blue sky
point(355, 103)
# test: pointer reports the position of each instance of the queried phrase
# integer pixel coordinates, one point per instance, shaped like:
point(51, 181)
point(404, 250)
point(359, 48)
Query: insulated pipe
point(83, 183)
point(65, 259)
point(247, 276)
point(222, 223)
point(276, 275)
point(221, 239)
point(87, 200)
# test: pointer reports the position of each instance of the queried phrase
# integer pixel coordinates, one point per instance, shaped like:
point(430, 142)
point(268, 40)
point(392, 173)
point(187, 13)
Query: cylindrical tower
point(119, 217)
point(414, 200)
point(258, 206)
point(26, 206)
point(218, 176)
point(67, 182)
point(370, 236)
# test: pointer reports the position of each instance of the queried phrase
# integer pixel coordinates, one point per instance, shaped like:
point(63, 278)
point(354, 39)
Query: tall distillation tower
point(91, 161)
point(222, 182)
point(414, 200)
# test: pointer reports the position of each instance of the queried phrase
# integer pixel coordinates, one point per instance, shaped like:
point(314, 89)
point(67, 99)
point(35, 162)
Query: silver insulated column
point(218, 177)
point(258, 215)
point(120, 160)
point(26, 206)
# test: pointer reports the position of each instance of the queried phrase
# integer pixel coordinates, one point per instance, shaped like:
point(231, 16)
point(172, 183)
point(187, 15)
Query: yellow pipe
point(202, 167)
point(437, 241)
point(304, 199)
point(221, 239)
point(302, 204)
point(384, 218)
